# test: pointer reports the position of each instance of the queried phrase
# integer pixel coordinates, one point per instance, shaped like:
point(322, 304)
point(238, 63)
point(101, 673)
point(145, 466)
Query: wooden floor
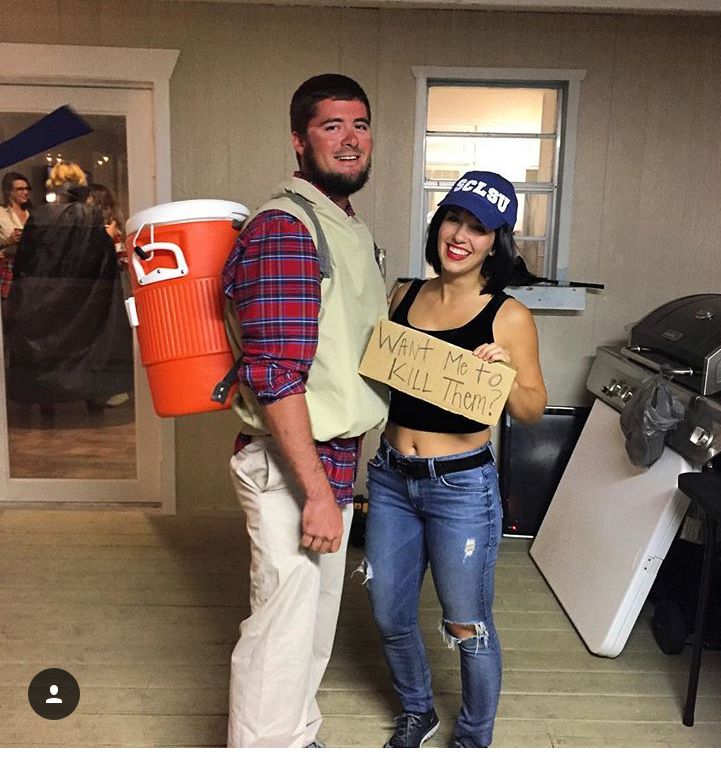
point(143, 610)
point(72, 443)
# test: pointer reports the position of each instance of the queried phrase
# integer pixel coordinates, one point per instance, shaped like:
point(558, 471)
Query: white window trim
point(78, 65)
point(574, 77)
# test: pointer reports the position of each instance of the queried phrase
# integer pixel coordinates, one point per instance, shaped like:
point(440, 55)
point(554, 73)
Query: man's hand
point(321, 521)
point(322, 524)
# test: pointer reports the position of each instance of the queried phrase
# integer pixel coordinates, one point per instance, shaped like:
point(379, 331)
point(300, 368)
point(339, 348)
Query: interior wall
point(648, 165)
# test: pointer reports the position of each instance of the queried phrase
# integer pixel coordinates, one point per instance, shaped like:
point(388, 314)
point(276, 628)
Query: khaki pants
point(285, 644)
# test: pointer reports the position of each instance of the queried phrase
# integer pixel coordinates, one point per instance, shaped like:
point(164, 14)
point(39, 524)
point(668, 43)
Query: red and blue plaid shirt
point(273, 277)
point(6, 277)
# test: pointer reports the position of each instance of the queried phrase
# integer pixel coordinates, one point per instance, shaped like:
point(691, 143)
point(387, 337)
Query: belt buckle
point(417, 469)
point(406, 468)
point(401, 465)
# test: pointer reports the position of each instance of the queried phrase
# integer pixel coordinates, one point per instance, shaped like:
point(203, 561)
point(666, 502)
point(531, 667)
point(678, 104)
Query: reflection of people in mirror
point(53, 699)
point(433, 491)
point(69, 337)
point(14, 212)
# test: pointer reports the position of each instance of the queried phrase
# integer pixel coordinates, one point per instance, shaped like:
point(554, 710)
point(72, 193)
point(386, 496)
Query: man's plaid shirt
point(273, 278)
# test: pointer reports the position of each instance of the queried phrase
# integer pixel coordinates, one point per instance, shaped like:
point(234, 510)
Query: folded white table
point(607, 530)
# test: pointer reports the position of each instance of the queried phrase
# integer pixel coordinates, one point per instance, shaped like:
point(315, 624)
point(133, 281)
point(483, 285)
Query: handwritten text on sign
point(436, 371)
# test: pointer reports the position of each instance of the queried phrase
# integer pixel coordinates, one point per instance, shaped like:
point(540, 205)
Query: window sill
point(550, 297)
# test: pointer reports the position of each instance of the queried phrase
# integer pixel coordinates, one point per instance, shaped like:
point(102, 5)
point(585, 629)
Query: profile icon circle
point(53, 693)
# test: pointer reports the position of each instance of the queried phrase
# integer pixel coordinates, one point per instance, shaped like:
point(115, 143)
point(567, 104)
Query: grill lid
point(686, 332)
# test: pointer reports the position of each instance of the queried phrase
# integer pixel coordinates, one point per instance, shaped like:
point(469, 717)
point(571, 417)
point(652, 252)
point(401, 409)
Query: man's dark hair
point(496, 269)
point(323, 87)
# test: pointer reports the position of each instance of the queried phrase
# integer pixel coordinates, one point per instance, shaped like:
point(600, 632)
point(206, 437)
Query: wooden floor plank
point(105, 730)
point(153, 700)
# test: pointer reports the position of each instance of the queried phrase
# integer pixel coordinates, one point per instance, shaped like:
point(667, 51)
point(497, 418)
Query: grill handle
point(633, 353)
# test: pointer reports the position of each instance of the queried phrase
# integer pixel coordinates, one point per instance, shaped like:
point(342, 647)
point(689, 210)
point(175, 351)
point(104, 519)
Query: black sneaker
point(412, 729)
point(463, 743)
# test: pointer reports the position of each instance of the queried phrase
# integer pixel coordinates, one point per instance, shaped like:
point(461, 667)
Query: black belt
point(422, 469)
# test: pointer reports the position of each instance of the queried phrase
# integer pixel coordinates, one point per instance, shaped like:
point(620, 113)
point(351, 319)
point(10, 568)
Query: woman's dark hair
point(496, 268)
point(7, 185)
point(323, 87)
point(100, 196)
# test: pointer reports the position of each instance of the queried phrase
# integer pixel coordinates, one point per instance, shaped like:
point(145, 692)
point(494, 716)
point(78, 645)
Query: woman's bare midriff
point(408, 441)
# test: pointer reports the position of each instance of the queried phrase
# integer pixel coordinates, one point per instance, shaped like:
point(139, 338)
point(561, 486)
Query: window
point(517, 123)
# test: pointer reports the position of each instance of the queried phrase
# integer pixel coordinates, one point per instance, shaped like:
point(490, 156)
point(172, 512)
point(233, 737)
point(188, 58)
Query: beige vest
point(341, 403)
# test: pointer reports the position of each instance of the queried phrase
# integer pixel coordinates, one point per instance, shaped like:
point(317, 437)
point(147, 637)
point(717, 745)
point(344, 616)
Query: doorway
point(84, 449)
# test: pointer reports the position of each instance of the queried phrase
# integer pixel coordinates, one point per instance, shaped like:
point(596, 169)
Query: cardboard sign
point(437, 372)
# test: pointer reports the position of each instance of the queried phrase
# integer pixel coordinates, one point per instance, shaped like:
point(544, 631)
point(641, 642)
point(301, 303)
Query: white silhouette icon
point(53, 699)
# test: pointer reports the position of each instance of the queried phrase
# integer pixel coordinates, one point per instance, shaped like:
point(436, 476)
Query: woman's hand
point(112, 228)
point(514, 326)
point(492, 353)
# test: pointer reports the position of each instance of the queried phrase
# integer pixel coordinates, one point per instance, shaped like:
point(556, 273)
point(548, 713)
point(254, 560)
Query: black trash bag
point(647, 417)
point(521, 276)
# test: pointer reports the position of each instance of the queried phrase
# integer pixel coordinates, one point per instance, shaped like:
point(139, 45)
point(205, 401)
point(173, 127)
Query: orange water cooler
point(176, 253)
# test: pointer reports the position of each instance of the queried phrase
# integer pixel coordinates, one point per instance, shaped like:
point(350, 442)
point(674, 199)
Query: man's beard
point(335, 184)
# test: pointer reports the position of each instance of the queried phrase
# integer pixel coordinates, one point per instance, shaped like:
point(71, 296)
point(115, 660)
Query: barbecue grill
point(610, 524)
point(681, 340)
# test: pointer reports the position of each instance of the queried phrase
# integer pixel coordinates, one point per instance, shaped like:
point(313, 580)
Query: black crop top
point(421, 415)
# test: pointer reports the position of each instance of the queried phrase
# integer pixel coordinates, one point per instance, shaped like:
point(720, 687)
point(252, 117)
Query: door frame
point(111, 67)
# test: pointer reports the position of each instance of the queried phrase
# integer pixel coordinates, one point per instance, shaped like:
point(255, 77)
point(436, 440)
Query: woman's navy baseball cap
point(488, 196)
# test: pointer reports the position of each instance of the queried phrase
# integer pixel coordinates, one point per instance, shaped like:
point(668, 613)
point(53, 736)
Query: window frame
point(570, 80)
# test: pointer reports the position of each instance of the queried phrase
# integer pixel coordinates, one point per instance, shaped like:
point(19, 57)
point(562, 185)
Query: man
point(303, 409)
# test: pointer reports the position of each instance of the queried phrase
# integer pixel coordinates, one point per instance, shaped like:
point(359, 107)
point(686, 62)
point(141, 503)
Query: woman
point(101, 197)
point(13, 215)
point(69, 337)
point(432, 486)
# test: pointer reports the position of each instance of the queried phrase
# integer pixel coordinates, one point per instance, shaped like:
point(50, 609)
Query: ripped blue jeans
point(453, 522)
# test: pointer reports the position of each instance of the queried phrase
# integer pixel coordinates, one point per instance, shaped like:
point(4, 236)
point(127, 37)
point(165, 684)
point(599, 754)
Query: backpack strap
point(222, 388)
point(235, 339)
point(322, 247)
